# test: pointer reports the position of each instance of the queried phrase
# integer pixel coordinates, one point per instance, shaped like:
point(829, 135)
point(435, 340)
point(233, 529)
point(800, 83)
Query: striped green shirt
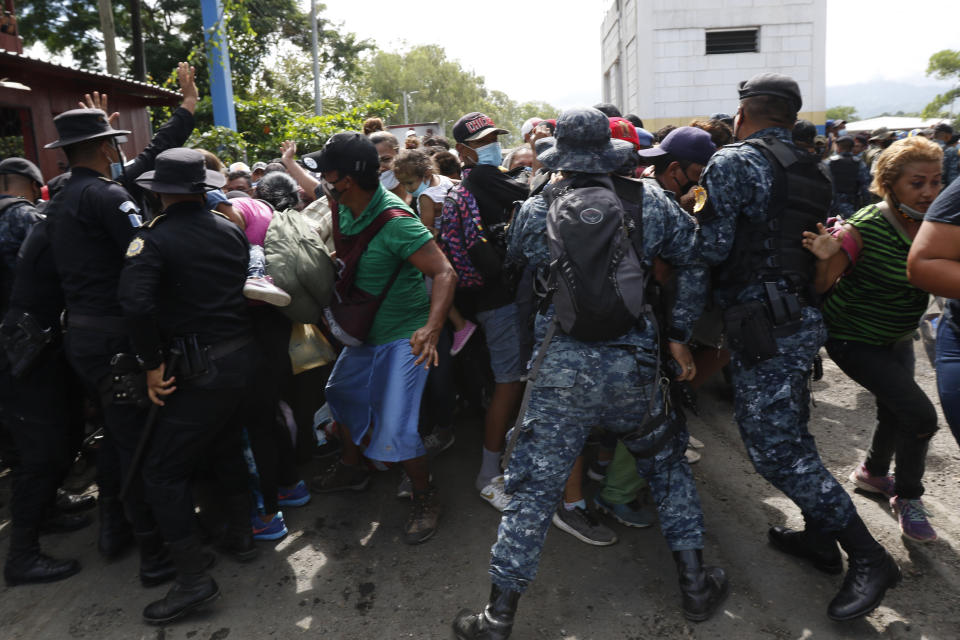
point(875, 303)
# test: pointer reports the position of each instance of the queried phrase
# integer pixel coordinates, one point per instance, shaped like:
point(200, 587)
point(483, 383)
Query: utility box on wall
point(672, 61)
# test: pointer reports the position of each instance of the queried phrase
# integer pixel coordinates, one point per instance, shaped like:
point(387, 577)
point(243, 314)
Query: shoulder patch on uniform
point(699, 198)
point(156, 221)
point(135, 247)
point(130, 208)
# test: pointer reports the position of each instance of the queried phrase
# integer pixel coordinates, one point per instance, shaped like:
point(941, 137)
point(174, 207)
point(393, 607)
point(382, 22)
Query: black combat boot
point(703, 588)
point(73, 503)
point(27, 565)
point(811, 544)
point(495, 622)
point(192, 589)
point(116, 534)
point(56, 522)
point(156, 565)
point(237, 540)
point(871, 572)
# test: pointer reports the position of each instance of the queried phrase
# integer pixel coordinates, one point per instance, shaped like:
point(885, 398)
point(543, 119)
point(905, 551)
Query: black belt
point(226, 347)
point(106, 324)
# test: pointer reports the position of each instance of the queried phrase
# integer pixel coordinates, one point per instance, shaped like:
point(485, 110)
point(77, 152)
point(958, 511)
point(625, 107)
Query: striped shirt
point(875, 303)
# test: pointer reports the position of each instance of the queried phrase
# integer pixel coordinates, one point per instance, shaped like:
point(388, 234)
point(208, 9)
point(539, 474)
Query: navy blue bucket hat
point(584, 144)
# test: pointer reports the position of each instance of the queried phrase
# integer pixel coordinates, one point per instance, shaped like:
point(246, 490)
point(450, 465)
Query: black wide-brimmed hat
point(80, 125)
point(181, 170)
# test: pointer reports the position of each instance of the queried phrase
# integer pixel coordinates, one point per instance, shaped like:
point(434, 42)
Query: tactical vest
point(846, 173)
point(770, 249)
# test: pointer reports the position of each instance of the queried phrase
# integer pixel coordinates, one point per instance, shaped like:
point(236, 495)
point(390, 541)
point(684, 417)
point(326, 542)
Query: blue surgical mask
point(116, 168)
point(489, 154)
point(416, 193)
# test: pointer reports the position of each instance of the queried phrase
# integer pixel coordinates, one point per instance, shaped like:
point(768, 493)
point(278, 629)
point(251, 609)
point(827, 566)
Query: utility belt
point(751, 328)
point(127, 382)
point(25, 342)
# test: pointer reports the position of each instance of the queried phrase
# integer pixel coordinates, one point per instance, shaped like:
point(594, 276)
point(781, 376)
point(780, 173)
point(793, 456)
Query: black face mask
point(689, 184)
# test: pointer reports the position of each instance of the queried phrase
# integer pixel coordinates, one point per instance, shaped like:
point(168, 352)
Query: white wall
point(659, 47)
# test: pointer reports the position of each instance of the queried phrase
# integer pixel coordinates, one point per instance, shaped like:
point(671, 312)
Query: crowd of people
point(227, 324)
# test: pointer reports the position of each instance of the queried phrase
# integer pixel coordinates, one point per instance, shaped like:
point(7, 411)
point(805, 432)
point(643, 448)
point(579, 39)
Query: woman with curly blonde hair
point(872, 312)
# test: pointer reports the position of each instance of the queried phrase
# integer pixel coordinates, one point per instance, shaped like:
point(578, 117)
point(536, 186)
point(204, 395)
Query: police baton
point(147, 431)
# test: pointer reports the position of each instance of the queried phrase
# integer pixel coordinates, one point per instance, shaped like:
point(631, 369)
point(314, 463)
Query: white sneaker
point(693, 456)
point(263, 289)
point(495, 494)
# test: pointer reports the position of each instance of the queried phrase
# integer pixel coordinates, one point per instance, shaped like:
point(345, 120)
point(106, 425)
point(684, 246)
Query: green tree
point(445, 90)
point(173, 31)
point(847, 114)
point(945, 65)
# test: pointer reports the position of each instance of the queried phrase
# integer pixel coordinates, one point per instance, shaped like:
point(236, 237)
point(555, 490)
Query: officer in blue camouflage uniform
point(942, 135)
point(761, 281)
point(20, 184)
point(612, 384)
point(851, 180)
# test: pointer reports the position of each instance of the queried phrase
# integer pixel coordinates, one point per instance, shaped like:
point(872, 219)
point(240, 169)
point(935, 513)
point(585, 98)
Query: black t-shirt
point(946, 209)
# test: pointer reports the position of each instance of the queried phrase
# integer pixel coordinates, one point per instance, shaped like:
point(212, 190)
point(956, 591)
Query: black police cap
point(21, 167)
point(772, 84)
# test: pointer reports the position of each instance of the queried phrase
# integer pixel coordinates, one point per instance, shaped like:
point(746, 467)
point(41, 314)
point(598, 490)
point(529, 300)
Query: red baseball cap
point(623, 129)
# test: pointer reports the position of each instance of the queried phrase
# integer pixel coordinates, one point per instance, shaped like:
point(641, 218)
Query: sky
point(867, 40)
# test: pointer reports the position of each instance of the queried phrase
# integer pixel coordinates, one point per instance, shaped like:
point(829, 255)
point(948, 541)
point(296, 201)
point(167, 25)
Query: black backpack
point(597, 281)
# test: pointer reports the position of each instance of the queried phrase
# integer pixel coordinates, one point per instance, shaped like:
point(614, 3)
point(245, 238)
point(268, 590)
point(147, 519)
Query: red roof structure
point(34, 91)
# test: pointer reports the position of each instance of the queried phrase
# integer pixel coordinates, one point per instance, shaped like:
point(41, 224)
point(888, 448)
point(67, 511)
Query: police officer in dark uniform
point(762, 194)
point(40, 402)
point(181, 292)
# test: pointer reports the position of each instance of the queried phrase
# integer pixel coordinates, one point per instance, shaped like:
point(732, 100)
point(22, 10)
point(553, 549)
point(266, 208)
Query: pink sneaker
point(872, 484)
point(912, 516)
point(263, 289)
point(460, 337)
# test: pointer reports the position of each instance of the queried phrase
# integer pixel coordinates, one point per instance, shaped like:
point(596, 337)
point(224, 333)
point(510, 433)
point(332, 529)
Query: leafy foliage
point(847, 114)
point(945, 65)
point(264, 124)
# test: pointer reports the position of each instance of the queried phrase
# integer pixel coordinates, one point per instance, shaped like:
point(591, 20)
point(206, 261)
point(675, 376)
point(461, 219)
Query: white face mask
point(388, 180)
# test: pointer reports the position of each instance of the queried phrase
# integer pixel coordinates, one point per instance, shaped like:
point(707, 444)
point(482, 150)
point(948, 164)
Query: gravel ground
point(344, 572)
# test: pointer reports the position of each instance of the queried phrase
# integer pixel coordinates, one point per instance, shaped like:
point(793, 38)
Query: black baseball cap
point(21, 167)
point(475, 125)
point(349, 151)
point(772, 84)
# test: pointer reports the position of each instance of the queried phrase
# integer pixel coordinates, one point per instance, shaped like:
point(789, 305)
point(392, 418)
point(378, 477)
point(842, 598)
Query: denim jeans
point(948, 374)
point(906, 419)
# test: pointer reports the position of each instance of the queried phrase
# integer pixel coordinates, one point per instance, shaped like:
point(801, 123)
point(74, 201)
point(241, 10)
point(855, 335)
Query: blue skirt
point(374, 391)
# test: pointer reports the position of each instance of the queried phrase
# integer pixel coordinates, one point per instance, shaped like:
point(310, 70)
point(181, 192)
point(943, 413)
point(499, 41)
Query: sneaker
point(424, 515)
point(439, 441)
point(461, 337)
point(496, 494)
point(693, 456)
point(913, 519)
point(583, 526)
point(693, 442)
point(273, 530)
point(597, 471)
point(631, 514)
point(340, 477)
point(873, 484)
point(405, 488)
point(296, 496)
point(263, 289)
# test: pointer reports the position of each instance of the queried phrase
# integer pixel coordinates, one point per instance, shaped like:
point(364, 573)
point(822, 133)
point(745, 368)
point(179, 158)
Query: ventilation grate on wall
point(732, 41)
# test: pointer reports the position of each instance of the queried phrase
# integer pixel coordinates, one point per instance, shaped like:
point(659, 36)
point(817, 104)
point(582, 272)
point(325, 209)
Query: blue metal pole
point(218, 62)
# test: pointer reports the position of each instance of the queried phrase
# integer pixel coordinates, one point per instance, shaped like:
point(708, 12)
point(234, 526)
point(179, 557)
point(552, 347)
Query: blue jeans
point(948, 374)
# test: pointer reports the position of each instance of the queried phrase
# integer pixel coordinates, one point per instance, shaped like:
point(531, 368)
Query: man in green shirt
point(375, 388)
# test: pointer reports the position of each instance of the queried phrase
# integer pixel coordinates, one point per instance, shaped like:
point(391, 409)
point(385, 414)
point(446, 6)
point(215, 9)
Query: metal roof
point(151, 89)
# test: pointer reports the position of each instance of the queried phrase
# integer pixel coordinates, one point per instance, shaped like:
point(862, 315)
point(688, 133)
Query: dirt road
point(344, 572)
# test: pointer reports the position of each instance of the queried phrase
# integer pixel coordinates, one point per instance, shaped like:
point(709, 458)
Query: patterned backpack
point(461, 230)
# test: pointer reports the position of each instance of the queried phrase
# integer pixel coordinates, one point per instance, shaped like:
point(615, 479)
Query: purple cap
point(687, 143)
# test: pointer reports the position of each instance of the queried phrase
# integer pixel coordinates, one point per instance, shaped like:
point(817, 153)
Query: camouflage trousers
point(578, 388)
point(772, 405)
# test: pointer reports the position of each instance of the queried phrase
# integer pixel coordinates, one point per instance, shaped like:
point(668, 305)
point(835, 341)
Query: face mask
point(388, 180)
point(910, 212)
point(416, 193)
point(490, 154)
point(116, 168)
point(333, 194)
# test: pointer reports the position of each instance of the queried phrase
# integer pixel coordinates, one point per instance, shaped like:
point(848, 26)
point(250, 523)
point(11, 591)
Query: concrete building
point(670, 61)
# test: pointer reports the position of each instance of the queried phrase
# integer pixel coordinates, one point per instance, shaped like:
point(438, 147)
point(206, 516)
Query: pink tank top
point(257, 215)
